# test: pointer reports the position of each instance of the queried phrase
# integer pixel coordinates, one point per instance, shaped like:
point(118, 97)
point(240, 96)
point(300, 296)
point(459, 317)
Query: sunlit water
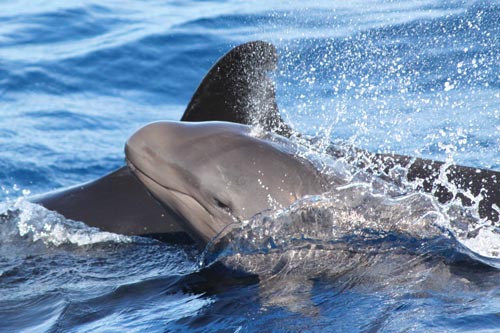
point(417, 77)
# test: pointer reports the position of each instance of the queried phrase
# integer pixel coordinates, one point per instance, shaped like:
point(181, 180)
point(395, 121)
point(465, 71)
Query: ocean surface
point(420, 78)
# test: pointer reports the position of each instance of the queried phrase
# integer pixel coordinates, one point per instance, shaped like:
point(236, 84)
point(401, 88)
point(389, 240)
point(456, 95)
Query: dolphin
point(188, 181)
point(236, 89)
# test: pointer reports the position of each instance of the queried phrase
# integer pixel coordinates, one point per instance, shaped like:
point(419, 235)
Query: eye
point(222, 205)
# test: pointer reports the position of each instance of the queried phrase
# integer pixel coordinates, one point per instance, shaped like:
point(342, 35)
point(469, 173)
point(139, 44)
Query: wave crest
point(33, 222)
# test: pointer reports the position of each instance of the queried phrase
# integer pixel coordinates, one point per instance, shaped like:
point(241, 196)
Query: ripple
point(64, 120)
point(37, 314)
point(75, 23)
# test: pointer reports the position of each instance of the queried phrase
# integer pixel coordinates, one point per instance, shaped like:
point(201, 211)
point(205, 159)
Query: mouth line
point(136, 169)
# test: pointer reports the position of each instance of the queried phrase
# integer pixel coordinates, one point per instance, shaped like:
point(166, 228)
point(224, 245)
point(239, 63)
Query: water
point(413, 77)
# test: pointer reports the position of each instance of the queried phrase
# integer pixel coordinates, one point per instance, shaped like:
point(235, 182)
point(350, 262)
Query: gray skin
point(218, 173)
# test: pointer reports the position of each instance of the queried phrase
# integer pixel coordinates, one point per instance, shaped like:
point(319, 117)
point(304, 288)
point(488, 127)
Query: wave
point(359, 217)
point(30, 222)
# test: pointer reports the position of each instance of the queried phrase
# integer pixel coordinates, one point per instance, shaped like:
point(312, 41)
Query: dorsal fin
point(237, 89)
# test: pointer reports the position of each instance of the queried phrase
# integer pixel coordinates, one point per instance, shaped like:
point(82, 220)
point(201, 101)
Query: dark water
point(414, 77)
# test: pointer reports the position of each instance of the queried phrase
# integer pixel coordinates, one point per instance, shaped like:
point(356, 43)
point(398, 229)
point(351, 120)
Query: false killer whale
point(189, 180)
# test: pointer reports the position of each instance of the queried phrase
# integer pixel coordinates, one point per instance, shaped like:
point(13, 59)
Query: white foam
point(36, 223)
point(486, 243)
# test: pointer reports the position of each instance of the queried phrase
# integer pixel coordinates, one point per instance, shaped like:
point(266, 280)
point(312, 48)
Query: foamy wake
point(355, 211)
point(35, 223)
point(484, 246)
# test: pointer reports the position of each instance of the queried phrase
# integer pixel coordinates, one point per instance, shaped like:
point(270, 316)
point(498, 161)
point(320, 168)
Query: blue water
point(76, 80)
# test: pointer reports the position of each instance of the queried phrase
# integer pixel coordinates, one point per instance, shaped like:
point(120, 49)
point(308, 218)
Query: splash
point(34, 223)
point(485, 246)
point(349, 218)
point(363, 213)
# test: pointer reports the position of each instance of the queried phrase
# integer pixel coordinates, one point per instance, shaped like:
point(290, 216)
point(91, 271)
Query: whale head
point(215, 174)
